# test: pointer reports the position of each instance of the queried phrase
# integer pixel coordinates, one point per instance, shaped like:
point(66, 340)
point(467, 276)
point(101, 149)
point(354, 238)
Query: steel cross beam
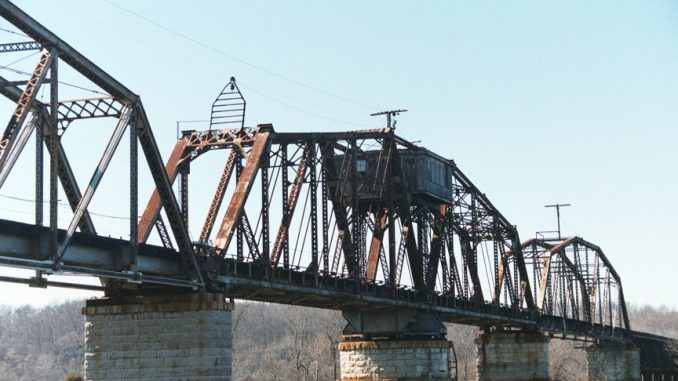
point(19, 46)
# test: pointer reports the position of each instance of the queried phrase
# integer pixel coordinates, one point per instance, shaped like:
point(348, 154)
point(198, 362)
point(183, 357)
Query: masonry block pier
point(513, 356)
point(406, 360)
point(613, 362)
point(400, 344)
point(159, 337)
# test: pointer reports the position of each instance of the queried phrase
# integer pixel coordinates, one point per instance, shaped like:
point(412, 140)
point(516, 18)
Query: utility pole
point(557, 206)
point(390, 117)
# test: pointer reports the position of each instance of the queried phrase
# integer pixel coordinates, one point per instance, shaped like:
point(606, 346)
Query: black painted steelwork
point(315, 216)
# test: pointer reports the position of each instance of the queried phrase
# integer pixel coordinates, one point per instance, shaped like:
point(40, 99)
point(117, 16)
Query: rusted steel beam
point(203, 141)
point(242, 190)
point(218, 196)
point(152, 209)
point(291, 205)
point(376, 248)
point(23, 105)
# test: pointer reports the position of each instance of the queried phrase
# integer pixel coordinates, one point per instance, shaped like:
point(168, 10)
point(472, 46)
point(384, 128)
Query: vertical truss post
point(265, 222)
point(314, 207)
point(392, 244)
point(133, 195)
point(355, 214)
point(240, 255)
point(325, 217)
point(285, 206)
point(184, 171)
point(54, 159)
point(39, 174)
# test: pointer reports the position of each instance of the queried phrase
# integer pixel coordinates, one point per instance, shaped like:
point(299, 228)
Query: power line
point(62, 204)
point(302, 110)
point(17, 71)
point(13, 32)
point(189, 63)
point(254, 66)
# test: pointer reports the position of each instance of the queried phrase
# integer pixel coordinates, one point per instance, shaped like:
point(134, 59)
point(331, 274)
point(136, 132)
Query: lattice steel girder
point(19, 46)
point(71, 110)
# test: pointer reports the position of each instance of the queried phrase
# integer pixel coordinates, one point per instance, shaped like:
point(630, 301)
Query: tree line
point(270, 342)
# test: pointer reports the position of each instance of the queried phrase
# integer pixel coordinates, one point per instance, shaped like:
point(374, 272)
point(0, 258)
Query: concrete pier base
point(519, 356)
point(401, 360)
point(613, 362)
point(160, 337)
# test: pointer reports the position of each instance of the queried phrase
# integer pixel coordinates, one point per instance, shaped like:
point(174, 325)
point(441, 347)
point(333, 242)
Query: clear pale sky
point(538, 102)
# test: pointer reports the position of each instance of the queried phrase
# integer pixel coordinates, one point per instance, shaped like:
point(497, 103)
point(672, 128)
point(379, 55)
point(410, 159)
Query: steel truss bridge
point(361, 221)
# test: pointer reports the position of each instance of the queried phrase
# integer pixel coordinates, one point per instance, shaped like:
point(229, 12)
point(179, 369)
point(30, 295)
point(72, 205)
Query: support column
point(174, 336)
point(395, 344)
point(513, 356)
point(613, 362)
point(401, 360)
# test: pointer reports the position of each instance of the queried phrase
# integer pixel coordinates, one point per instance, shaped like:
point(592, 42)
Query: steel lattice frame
point(306, 220)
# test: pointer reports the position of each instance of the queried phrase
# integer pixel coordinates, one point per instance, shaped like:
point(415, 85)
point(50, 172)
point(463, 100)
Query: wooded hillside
point(271, 342)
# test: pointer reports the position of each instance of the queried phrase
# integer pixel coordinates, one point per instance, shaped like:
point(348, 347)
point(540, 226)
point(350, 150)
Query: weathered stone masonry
point(402, 360)
point(613, 362)
point(161, 337)
point(519, 356)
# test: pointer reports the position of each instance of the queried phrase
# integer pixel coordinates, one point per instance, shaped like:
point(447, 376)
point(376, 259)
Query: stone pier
point(397, 344)
point(159, 337)
point(613, 362)
point(401, 360)
point(513, 356)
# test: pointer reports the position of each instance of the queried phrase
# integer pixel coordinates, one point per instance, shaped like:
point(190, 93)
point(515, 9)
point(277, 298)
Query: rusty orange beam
point(152, 210)
point(375, 247)
point(242, 190)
